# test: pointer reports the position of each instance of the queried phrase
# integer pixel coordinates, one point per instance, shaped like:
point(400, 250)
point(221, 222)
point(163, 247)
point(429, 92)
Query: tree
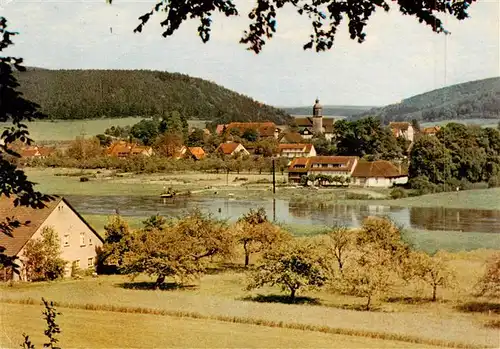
point(323, 146)
point(489, 284)
point(255, 233)
point(43, 257)
point(180, 250)
point(155, 222)
point(146, 130)
point(117, 241)
point(292, 266)
point(339, 240)
point(14, 109)
point(196, 138)
point(49, 315)
point(168, 144)
point(326, 17)
point(430, 158)
point(432, 270)
point(84, 149)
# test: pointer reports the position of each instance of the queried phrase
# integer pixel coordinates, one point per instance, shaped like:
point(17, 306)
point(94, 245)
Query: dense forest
point(329, 110)
point(89, 94)
point(478, 99)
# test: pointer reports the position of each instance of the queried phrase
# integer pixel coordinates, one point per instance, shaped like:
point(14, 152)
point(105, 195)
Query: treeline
point(87, 94)
point(472, 100)
point(335, 110)
point(457, 154)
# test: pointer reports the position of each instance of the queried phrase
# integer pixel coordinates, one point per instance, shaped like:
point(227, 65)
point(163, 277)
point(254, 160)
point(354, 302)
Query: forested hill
point(88, 94)
point(478, 99)
point(333, 110)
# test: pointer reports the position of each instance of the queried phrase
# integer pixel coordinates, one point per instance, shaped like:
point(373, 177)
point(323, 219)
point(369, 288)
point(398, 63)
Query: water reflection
point(436, 218)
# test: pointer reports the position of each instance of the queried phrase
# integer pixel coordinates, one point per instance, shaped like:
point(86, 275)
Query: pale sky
point(400, 57)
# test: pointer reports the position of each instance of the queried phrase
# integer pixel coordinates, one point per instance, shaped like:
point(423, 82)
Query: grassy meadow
point(481, 122)
point(219, 298)
point(64, 130)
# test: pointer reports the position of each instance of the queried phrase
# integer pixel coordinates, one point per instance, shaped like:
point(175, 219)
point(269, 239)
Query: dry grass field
point(405, 313)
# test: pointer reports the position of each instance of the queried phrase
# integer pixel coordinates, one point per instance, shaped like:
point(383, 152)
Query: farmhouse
point(122, 149)
point(78, 239)
point(35, 152)
point(402, 129)
point(326, 165)
point(296, 150)
point(264, 129)
point(431, 131)
point(195, 153)
point(317, 124)
point(290, 137)
point(377, 174)
point(231, 148)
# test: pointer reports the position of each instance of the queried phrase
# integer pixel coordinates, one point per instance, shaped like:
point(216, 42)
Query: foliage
point(432, 270)
point(168, 144)
point(83, 149)
point(325, 17)
point(429, 158)
point(255, 233)
point(340, 240)
point(471, 100)
point(15, 109)
point(179, 250)
point(196, 138)
point(117, 241)
point(323, 146)
point(250, 135)
point(489, 284)
point(383, 234)
point(293, 266)
point(42, 257)
point(49, 315)
point(92, 94)
point(398, 193)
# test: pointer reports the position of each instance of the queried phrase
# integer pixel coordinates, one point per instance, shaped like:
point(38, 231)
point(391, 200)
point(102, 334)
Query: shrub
point(398, 193)
point(494, 182)
point(423, 185)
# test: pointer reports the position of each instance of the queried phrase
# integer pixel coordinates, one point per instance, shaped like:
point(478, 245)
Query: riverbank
point(244, 185)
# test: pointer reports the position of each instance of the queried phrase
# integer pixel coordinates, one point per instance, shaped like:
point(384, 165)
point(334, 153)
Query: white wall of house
point(78, 242)
point(240, 149)
point(378, 182)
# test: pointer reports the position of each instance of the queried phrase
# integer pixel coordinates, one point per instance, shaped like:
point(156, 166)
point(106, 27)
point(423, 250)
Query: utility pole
point(274, 177)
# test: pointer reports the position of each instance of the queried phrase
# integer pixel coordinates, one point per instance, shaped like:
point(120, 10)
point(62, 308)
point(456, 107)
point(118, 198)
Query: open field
point(481, 122)
point(99, 329)
point(63, 130)
point(404, 314)
point(54, 181)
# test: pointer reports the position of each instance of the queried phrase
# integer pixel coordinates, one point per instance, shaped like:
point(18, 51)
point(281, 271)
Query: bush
point(398, 193)
point(494, 182)
point(423, 186)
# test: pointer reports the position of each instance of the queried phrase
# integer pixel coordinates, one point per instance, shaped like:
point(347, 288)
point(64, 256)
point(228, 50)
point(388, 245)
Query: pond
point(295, 213)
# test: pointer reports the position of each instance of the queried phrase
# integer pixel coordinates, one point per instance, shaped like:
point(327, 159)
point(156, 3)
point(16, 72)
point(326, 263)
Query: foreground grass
point(99, 329)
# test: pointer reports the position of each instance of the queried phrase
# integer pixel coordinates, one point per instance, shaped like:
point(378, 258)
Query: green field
point(481, 122)
point(99, 329)
point(110, 304)
point(64, 130)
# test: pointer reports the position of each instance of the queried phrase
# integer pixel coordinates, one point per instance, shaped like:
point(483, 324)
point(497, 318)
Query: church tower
point(317, 118)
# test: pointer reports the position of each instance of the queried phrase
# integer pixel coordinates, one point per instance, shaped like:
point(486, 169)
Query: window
point(90, 241)
point(90, 262)
point(76, 263)
point(82, 239)
point(66, 240)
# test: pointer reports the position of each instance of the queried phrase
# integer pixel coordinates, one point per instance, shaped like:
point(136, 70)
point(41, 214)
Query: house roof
point(403, 126)
point(197, 152)
point(35, 217)
point(380, 168)
point(290, 137)
point(29, 152)
point(228, 148)
point(430, 130)
point(122, 147)
point(346, 162)
point(301, 146)
point(308, 122)
point(265, 129)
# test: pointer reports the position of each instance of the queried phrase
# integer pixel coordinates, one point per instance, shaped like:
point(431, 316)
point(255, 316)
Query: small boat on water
point(167, 195)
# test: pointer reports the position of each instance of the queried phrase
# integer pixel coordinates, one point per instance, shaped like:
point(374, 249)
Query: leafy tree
point(250, 135)
point(292, 266)
point(14, 109)
point(432, 270)
point(146, 130)
point(43, 257)
point(323, 146)
point(84, 149)
point(255, 233)
point(196, 138)
point(168, 144)
point(430, 158)
point(266, 147)
point(339, 241)
point(325, 17)
point(155, 222)
point(49, 315)
point(117, 241)
point(180, 250)
point(489, 283)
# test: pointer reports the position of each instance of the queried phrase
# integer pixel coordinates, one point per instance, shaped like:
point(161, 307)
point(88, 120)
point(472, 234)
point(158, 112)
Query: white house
point(78, 239)
point(326, 165)
point(293, 150)
point(382, 174)
point(402, 129)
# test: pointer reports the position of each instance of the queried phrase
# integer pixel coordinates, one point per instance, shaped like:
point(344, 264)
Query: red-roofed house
point(78, 239)
point(123, 149)
point(264, 129)
point(378, 174)
point(296, 150)
point(402, 129)
point(31, 152)
point(195, 153)
point(431, 131)
point(327, 165)
point(231, 148)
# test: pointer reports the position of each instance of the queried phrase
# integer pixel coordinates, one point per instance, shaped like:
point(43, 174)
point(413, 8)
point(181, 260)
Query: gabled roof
point(265, 129)
point(308, 122)
point(125, 148)
point(290, 137)
point(431, 130)
point(35, 217)
point(380, 168)
point(197, 152)
point(228, 148)
point(305, 147)
point(306, 164)
point(403, 126)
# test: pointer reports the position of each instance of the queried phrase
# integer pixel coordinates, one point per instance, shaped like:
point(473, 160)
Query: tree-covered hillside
point(478, 99)
point(331, 110)
point(86, 94)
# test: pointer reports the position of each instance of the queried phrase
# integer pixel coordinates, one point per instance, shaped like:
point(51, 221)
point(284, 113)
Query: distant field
point(481, 122)
point(63, 130)
point(102, 329)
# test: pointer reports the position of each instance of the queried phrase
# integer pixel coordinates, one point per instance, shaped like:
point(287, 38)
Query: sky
point(400, 57)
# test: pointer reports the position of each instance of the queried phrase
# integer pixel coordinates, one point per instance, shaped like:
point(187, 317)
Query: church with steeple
point(315, 124)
